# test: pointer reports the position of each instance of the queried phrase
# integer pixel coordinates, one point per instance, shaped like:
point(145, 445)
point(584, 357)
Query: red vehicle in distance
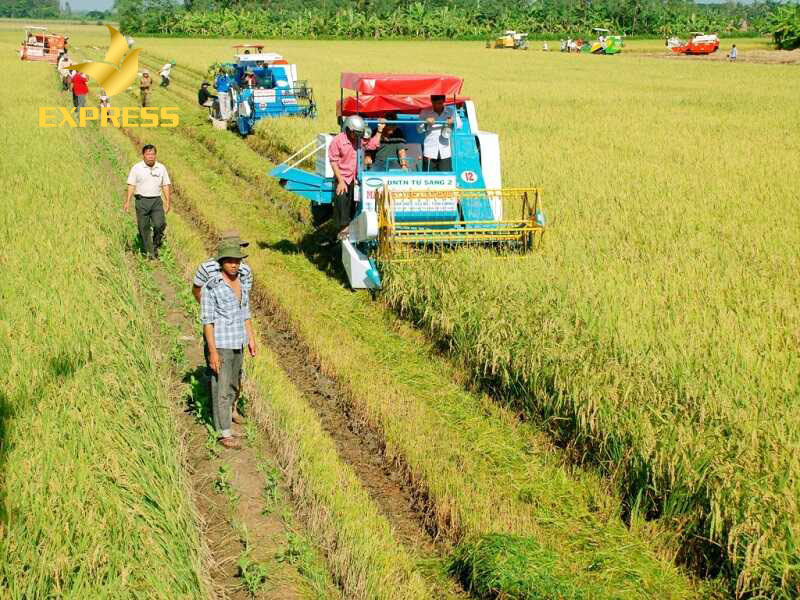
point(40, 45)
point(699, 43)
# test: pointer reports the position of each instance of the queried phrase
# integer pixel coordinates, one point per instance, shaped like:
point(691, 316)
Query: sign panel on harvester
point(421, 182)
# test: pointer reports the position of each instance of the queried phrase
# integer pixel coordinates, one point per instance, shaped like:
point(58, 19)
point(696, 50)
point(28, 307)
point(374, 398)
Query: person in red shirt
point(343, 158)
point(80, 89)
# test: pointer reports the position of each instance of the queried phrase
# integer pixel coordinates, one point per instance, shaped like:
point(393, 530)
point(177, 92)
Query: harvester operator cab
point(401, 209)
point(260, 85)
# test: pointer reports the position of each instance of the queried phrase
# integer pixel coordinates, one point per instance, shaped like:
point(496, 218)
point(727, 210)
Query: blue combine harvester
point(407, 206)
point(259, 85)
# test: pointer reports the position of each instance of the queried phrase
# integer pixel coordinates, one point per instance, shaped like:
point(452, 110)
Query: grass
point(94, 500)
point(513, 567)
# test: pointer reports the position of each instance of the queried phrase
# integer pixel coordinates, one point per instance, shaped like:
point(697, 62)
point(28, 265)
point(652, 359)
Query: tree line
point(453, 19)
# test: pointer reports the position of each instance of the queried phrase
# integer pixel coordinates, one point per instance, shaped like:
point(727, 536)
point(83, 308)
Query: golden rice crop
point(93, 501)
point(658, 329)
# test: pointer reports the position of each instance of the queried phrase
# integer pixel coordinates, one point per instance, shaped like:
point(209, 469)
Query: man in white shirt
point(165, 71)
point(437, 125)
point(147, 180)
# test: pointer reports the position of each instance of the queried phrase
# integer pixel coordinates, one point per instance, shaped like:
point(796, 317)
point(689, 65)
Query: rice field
point(655, 336)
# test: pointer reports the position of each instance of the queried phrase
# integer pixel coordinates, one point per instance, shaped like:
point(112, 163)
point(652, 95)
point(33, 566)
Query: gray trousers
point(151, 221)
point(224, 387)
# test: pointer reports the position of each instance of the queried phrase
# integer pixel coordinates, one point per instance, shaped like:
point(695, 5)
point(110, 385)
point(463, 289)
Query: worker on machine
point(391, 154)
point(204, 97)
point(343, 156)
point(437, 126)
point(249, 80)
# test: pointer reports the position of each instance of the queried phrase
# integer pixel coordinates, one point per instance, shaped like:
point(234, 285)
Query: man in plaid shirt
point(227, 328)
point(206, 271)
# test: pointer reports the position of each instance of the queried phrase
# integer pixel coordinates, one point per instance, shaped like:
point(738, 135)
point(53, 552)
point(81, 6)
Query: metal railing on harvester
point(436, 232)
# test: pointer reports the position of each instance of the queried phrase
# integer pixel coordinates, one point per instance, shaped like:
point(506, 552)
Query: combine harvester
point(259, 85)
point(605, 43)
point(39, 45)
point(510, 39)
point(698, 44)
point(403, 212)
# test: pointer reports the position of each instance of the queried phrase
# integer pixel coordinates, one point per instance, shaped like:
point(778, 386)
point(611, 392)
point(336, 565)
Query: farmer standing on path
point(207, 271)
point(80, 89)
point(145, 83)
point(227, 328)
point(147, 180)
point(733, 53)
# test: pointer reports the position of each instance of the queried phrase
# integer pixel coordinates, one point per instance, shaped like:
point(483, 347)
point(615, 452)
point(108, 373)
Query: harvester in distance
point(402, 211)
point(39, 45)
point(259, 85)
point(510, 39)
point(605, 43)
point(699, 43)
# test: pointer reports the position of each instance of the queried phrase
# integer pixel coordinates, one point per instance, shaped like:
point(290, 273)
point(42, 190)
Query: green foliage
point(254, 574)
point(459, 19)
point(35, 9)
point(785, 23)
point(510, 566)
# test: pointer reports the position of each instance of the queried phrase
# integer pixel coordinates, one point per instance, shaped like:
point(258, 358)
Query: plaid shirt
point(210, 268)
point(219, 306)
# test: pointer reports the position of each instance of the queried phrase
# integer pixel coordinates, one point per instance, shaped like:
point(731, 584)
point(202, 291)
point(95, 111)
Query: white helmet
point(355, 124)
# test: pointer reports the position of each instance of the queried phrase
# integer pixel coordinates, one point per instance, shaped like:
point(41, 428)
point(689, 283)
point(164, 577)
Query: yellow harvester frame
point(399, 240)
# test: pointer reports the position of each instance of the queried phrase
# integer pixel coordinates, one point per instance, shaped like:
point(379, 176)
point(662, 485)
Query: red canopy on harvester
point(389, 84)
point(380, 93)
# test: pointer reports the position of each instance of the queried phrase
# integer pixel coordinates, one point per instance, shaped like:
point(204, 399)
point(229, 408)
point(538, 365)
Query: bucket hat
point(229, 248)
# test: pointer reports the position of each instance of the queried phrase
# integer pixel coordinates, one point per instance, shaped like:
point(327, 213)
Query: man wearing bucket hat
point(205, 272)
point(227, 328)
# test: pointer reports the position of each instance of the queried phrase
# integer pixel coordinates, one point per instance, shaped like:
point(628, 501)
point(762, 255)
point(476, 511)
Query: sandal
point(230, 443)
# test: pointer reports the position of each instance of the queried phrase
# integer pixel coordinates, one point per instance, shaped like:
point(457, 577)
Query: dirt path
point(764, 57)
point(228, 486)
point(359, 446)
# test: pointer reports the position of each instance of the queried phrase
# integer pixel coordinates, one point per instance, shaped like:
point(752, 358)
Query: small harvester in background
point(259, 85)
point(40, 45)
point(605, 43)
point(511, 40)
point(699, 43)
point(404, 212)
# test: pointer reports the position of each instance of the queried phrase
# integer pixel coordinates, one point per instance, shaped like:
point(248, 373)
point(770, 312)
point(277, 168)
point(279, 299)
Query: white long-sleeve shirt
point(165, 70)
point(437, 136)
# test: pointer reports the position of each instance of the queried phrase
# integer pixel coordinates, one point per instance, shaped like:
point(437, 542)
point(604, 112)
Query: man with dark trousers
point(148, 180)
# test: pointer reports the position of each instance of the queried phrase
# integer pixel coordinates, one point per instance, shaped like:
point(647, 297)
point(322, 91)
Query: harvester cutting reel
point(419, 224)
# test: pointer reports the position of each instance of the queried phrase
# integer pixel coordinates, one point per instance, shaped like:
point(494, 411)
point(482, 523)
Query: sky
point(90, 4)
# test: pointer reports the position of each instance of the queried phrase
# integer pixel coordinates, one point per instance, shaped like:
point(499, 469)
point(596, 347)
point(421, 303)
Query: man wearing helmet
point(343, 156)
